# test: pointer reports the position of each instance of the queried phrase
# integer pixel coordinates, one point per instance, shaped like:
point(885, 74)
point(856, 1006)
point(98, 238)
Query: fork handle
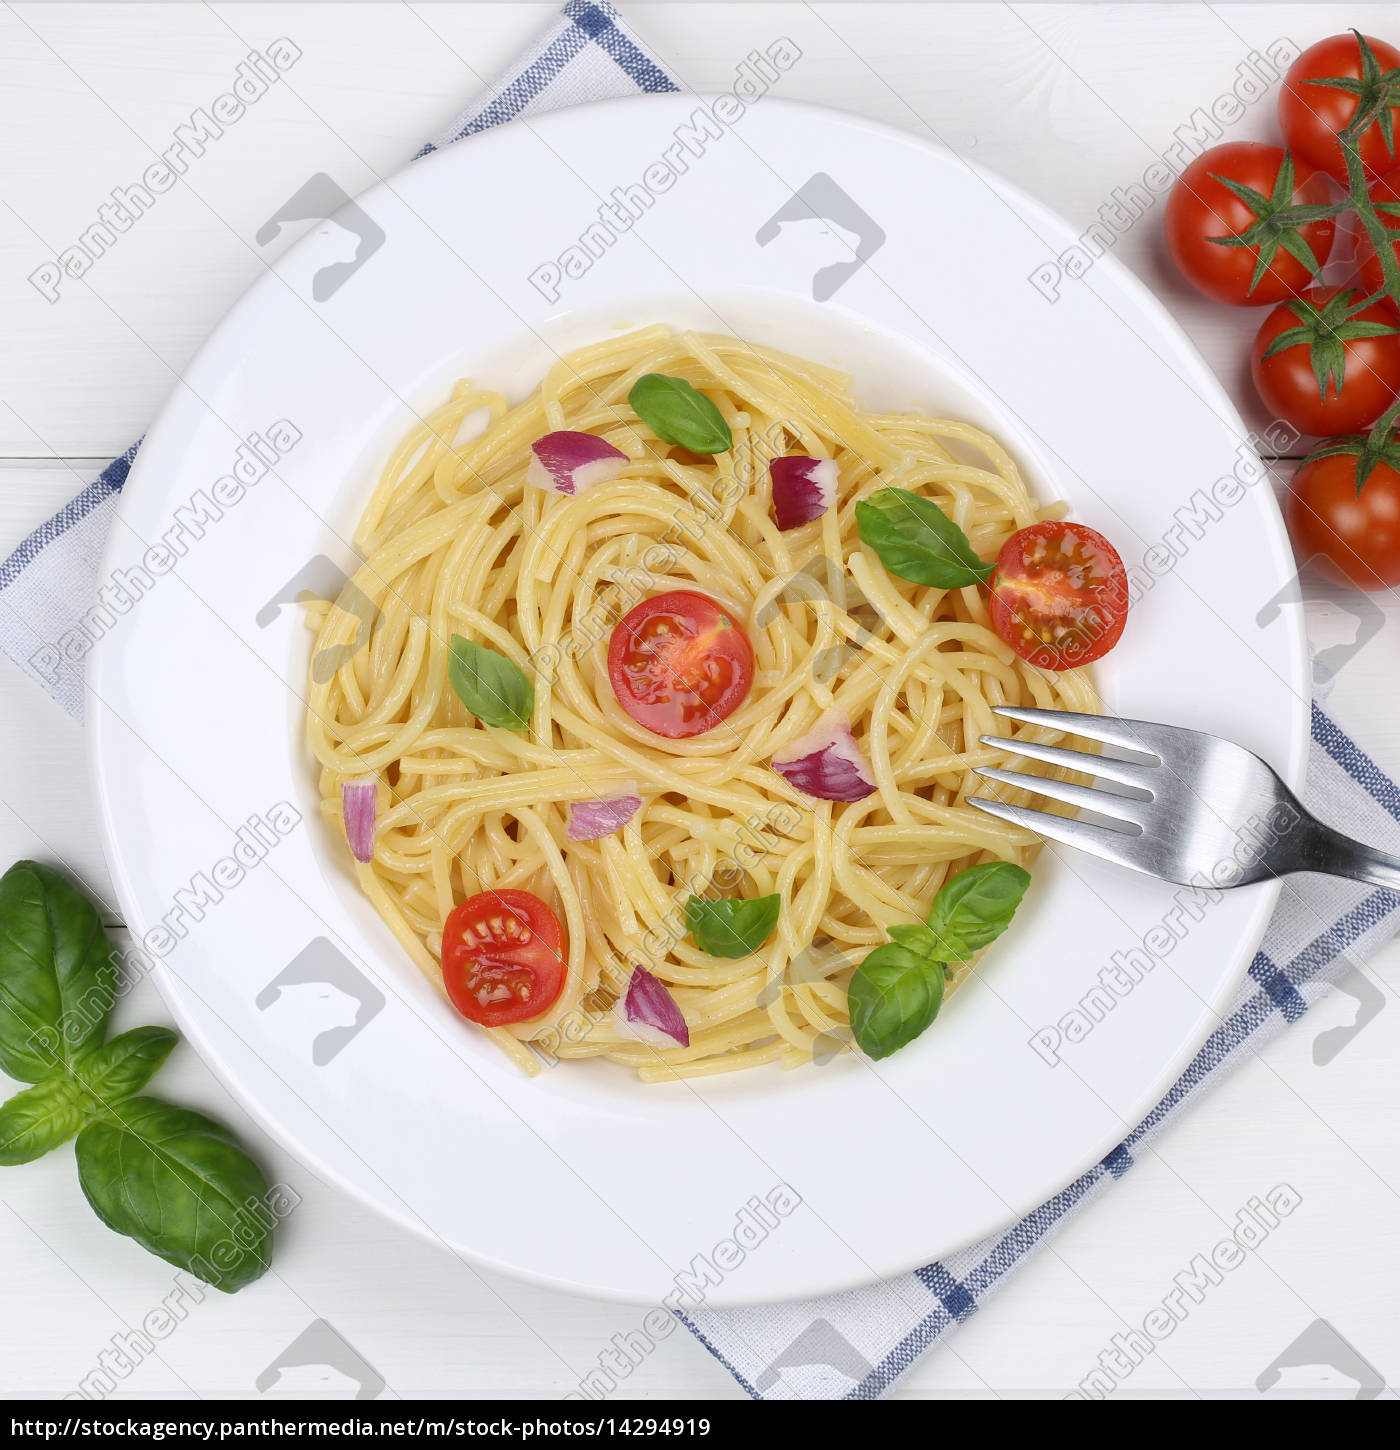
point(1339, 855)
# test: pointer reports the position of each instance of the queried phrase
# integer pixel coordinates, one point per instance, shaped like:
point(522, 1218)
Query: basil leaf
point(179, 1184)
point(894, 995)
point(492, 687)
point(731, 928)
point(57, 976)
point(679, 413)
point(918, 541)
point(975, 907)
point(40, 1118)
point(124, 1065)
point(917, 938)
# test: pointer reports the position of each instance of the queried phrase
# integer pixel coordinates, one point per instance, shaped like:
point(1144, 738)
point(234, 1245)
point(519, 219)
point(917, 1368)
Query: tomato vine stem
point(1377, 443)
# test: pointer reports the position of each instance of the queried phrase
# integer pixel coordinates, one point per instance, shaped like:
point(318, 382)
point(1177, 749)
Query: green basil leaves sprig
point(679, 413)
point(918, 541)
point(495, 689)
point(173, 1180)
point(897, 990)
point(731, 928)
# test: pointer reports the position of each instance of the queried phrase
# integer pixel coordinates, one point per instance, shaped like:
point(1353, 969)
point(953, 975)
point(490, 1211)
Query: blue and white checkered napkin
point(852, 1345)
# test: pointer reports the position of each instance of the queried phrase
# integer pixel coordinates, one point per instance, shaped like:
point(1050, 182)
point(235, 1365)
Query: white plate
point(583, 1178)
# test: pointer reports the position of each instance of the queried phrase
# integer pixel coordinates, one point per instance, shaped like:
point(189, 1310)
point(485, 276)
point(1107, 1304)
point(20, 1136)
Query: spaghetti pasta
point(454, 541)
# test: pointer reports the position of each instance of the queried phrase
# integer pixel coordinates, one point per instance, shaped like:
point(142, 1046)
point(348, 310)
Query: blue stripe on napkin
point(108, 482)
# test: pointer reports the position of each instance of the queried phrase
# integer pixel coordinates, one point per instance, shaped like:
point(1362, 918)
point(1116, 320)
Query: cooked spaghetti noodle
point(455, 542)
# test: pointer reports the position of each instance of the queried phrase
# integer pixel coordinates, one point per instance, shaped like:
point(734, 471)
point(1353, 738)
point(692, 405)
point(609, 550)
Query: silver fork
point(1200, 807)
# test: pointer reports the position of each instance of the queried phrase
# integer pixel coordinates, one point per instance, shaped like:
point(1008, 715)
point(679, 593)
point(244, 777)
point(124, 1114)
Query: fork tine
point(1104, 767)
point(1109, 730)
point(1118, 807)
point(1097, 840)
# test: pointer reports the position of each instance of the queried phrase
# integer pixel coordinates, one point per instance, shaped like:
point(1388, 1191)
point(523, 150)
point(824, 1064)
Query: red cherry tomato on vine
point(1202, 209)
point(680, 663)
point(502, 957)
point(1312, 116)
point(1348, 537)
point(1364, 375)
point(1059, 595)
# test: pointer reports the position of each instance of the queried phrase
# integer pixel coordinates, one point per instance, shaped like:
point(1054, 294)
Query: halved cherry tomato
point(680, 663)
point(1059, 595)
point(1313, 115)
point(502, 957)
point(1360, 373)
point(1218, 237)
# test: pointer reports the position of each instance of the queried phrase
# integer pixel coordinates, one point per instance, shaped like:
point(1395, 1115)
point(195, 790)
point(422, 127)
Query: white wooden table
point(1070, 101)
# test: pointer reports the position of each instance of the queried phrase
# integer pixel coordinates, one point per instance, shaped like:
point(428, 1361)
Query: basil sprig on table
point(731, 928)
point(173, 1180)
point(495, 689)
point(680, 413)
point(918, 541)
point(897, 990)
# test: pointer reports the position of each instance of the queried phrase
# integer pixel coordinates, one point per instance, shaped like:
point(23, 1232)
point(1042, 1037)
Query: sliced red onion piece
point(649, 1012)
point(359, 800)
point(803, 489)
point(592, 820)
point(571, 462)
point(827, 763)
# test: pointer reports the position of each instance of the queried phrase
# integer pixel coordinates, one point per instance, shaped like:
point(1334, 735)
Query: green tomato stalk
point(1377, 93)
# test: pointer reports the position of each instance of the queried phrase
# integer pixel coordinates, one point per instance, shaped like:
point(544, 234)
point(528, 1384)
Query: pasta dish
point(652, 712)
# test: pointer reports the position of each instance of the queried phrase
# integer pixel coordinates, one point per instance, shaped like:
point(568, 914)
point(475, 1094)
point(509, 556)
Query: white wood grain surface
point(1070, 101)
